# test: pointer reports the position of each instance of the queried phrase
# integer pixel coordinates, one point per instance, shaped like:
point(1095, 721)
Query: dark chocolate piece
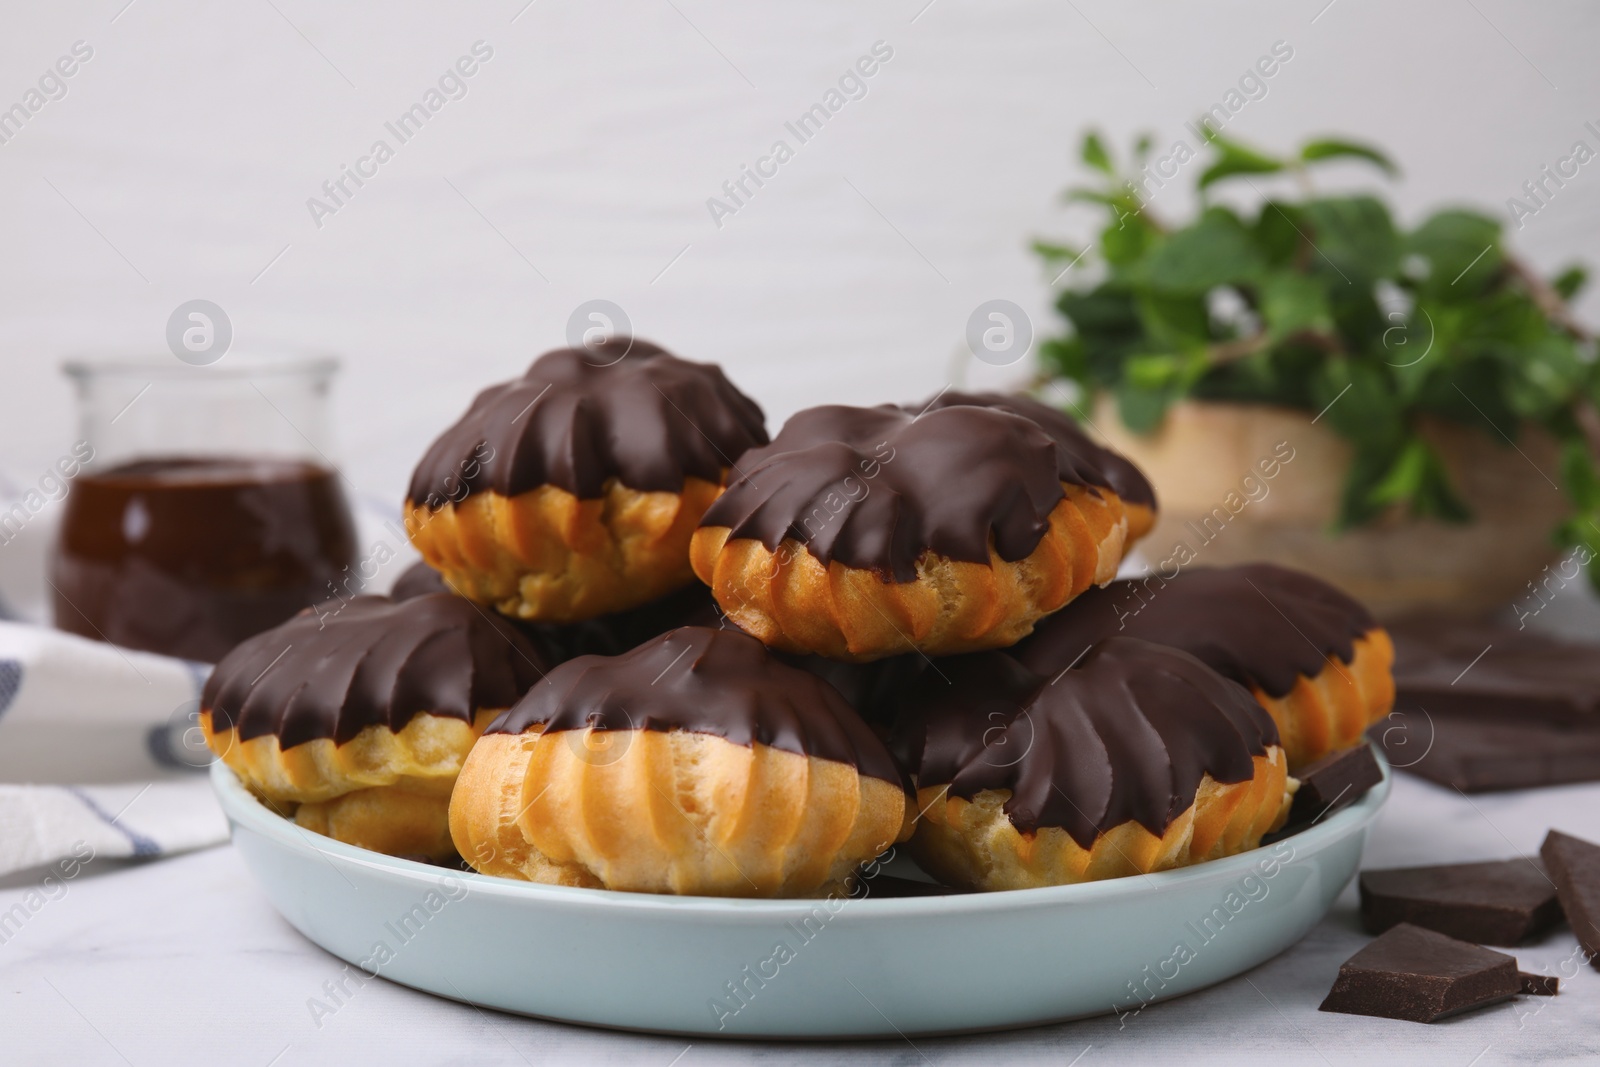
point(889, 887)
point(1127, 734)
point(188, 557)
point(873, 689)
point(369, 661)
point(1421, 976)
point(1497, 674)
point(1539, 985)
point(1333, 782)
point(620, 631)
point(1258, 624)
point(1503, 902)
point(578, 418)
point(1574, 866)
point(1077, 452)
point(419, 579)
point(1479, 757)
point(720, 682)
point(875, 488)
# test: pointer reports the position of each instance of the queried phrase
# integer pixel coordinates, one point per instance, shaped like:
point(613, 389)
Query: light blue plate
point(844, 968)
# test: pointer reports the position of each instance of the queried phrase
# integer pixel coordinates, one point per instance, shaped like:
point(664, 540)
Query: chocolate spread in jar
point(190, 556)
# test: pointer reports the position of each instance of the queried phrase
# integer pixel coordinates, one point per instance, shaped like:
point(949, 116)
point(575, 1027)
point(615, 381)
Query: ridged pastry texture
point(382, 790)
point(860, 533)
point(355, 720)
point(1139, 758)
point(695, 764)
point(794, 602)
point(974, 845)
point(672, 812)
point(572, 491)
point(1332, 709)
point(549, 556)
point(1312, 655)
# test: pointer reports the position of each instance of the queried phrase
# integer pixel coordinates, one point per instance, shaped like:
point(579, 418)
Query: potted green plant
point(1425, 402)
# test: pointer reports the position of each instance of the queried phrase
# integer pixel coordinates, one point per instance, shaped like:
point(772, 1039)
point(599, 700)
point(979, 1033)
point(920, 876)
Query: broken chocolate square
point(1574, 866)
point(1539, 985)
point(1421, 976)
point(1332, 782)
point(1505, 902)
point(1477, 756)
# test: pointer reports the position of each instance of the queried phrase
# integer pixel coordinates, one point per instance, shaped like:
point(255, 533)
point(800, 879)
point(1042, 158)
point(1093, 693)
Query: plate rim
point(244, 809)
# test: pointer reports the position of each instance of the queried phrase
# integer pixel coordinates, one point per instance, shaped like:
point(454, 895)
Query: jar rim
point(245, 364)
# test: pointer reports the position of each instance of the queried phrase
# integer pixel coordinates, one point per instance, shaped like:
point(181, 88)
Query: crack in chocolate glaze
point(1081, 460)
point(719, 682)
point(373, 663)
point(578, 418)
point(875, 488)
point(1258, 624)
point(1126, 734)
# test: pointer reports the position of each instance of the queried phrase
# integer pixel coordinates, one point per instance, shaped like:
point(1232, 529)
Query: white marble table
point(184, 961)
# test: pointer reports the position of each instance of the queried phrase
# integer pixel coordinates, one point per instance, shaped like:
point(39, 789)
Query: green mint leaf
point(1142, 410)
point(1094, 153)
point(1330, 148)
point(1570, 281)
point(1215, 251)
point(1352, 235)
point(1294, 302)
point(1462, 250)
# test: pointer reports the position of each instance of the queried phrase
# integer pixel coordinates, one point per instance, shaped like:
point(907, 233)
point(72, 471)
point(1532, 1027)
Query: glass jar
point(209, 510)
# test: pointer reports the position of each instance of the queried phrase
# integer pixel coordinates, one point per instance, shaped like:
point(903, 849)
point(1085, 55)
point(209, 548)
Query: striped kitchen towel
point(100, 752)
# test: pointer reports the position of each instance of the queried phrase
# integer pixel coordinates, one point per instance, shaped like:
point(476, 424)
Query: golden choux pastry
point(572, 492)
point(1311, 655)
point(697, 763)
point(861, 533)
point(354, 718)
point(1138, 758)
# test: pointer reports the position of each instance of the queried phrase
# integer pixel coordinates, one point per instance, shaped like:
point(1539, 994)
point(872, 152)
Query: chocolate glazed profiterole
point(864, 532)
point(1139, 758)
point(1312, 656)
point(696, 763)
point(359, 719)
point(1079, 452)
point(572, 491)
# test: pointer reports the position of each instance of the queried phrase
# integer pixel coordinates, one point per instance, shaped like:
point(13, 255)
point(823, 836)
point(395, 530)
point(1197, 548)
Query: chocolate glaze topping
point(874, 488)
point(1258, 624)
point(335, 670)
point(1126, 734)
point(720, 682)
point(578, 418)
point(419, 579)
point(869, 688)
point(1082, 460)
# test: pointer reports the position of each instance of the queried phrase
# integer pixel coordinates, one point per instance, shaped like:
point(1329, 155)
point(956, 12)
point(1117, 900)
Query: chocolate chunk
point(1504, 902)
point(1497, 674)
point(1421, 976)
point(1574, 866)
point(1479, 757)
point(1539, 985)
point(1333, 782)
